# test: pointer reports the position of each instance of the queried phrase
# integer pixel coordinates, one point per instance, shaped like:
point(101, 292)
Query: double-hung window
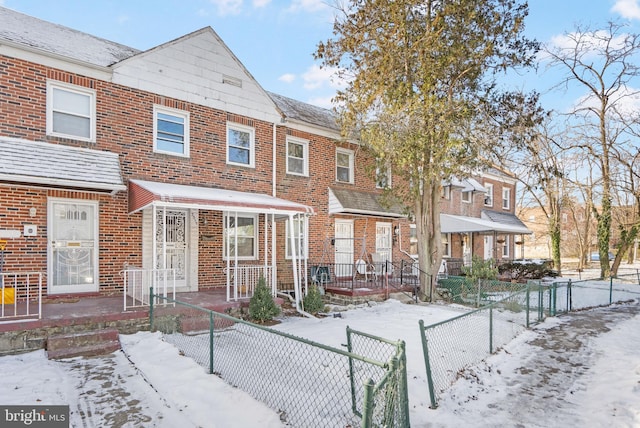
point(488, 196)
point(297, 156)
point(240, 145)
point(299, 237)
point(506, 198)
point(446, 244)
point(71, 111)
point(170, 131)
point(241, 233)
point(344, 165)
point(466, 196)
point(383, 177)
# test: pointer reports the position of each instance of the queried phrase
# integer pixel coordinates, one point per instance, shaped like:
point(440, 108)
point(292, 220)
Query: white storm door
point(488, 247)
point(383, 240)
point(172, 243)
point(343, 245)
point(73, 246)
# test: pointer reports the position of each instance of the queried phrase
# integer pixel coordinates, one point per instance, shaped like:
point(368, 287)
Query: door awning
point(347, 201)
point(143, 194)
point(461, 224)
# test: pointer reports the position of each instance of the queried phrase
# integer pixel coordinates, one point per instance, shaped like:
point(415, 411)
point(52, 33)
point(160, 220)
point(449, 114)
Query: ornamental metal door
point(383, 241)
point(172, 243)
point(343, 245)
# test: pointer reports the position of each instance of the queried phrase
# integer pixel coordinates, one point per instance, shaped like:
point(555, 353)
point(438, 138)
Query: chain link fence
point(465, 291)
point(307, 383)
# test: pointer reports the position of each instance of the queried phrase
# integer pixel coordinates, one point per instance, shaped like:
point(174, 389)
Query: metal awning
point(57, 165)
point(347, 201)
point(143, 194)
point(461, 224)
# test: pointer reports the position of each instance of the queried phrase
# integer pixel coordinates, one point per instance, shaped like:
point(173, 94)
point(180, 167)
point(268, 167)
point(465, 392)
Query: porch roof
point(347, 201)
point(461, 224)
point(143, 194)
point(57, 165)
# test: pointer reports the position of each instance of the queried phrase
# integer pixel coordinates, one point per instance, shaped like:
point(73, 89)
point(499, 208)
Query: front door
point(383, 241)
point(172, 251)
point(488, 247)
point(343, 245)
point(73, 246)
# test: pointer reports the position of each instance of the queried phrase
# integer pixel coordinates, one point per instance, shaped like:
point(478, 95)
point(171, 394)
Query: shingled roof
point(304, 112)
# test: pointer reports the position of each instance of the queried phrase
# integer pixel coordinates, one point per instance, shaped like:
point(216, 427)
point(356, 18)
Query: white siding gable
point(192, 68)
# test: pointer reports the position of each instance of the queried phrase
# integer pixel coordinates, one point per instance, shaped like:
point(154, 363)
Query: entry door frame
point(343, 247)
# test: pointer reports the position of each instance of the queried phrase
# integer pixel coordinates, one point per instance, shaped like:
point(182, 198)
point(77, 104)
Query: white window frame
point(386, 175)
point(446, 192)
point(252, 144)
point(505, 246)
point(488, 195)
point(305, 156)
point(466, 197)
point(225, 220)
point(413, 239)
point(446, 242)
point(506, 198)
point(301, 238)
point(185, 137)
point(79, 90)
point(351, 155)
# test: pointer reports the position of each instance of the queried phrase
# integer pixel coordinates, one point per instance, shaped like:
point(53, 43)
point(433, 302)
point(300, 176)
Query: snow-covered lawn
point(581, 369)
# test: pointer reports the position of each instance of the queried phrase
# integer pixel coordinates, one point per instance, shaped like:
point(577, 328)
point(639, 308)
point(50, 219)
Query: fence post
point(211, 342)
point(569, 296)
point(540, 302)
point(425, 351)
point(610, 290)
point(367, 409)
point(490, 329)
point(404, 393)
point(390, 394)
point(151, 308)
point(528, 300)
point(354, 406)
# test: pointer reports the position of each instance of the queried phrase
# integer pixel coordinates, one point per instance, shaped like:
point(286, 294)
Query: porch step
point(87, 344)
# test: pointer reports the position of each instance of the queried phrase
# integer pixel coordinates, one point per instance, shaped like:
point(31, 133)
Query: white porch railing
point(137, 283)
point(21, 298)
point(243, 279)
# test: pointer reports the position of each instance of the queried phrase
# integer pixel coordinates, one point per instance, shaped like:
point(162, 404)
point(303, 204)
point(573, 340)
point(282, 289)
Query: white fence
point(137, 283)
point(242, 280)
point(21, 298)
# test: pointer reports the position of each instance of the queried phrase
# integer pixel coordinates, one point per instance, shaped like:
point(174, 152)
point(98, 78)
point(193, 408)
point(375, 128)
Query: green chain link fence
point(307, 383)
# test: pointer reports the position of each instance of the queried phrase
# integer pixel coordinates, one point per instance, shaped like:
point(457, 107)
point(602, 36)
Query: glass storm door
point(73, 246)
point(383, 240)
point(171, 243)
point(344, 247)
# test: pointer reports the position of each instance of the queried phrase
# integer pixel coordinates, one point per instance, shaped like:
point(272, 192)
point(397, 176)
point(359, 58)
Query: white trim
point(252, 144)
point(256, 225)
point(470, 197)
point(488, 194)
point(186, 137)
point(80, 90)
point(506, 197)
point(351, 154)
point(305, 155)
point(305, 236)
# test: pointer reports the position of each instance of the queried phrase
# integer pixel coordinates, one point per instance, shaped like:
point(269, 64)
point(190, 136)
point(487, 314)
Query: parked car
point(595, 257)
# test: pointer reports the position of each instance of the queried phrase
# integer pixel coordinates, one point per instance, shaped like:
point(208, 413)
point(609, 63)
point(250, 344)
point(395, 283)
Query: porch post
point(296, 281)
point(273, 254)
point(225, 228)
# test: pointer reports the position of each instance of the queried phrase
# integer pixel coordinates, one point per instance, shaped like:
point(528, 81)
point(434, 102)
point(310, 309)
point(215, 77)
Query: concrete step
point(87, 344)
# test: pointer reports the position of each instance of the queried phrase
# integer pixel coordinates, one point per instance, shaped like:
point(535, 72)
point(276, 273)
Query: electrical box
point(30, 230)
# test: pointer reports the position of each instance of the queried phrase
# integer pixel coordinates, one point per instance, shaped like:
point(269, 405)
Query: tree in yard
point(419, 74)
point(603, 64)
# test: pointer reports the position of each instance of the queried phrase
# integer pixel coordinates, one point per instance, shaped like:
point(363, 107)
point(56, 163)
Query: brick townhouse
point(175, 158)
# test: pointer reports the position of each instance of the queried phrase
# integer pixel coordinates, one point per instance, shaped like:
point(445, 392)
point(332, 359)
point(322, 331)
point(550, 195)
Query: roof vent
point(229, 80)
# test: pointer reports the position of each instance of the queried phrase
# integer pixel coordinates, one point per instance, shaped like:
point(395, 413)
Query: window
point(466, 197)
point(413, 240)
point(71, 111)
point(299, 226)
point(344, 165)
point(297, 156)
point(242, 235)
point(446, 192)
point(506, 198)
point(446, 244)
point(488, 196)
point(383, 177)
point(505, 246)
point(170, 131)
point(240, 145)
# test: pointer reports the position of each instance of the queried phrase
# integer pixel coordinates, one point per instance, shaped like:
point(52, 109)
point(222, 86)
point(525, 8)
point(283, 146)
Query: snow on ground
point(582, 369)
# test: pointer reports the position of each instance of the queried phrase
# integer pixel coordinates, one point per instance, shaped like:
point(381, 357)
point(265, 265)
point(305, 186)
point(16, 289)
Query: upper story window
point(413, 240)
point(488, 196)
point(241, 145)
point(297, 156)
point(344, 165)
point(383, 177)
point(299, 237)
point(506, 198)
point(241, 235)
point(71, 111)
point(446, 244)
point(466, 196)
point(445, 193)
point(170, 131)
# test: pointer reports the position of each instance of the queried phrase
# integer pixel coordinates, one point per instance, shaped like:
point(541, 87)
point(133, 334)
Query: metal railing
point(309, 384)
point(138, 282)
point(21, 298)
point(244, 279)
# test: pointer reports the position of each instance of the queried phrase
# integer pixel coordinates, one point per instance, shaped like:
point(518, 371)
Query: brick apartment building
point(175, 157)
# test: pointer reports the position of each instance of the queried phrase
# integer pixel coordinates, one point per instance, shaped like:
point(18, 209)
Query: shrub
point(523, 271)
point(262, 307)
point(313, 302)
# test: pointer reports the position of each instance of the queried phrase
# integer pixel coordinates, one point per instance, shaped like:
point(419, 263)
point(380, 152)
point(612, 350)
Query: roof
point(34, 162)
point(347, 201)
point(307, 113)
point(502, 217)
point(143, 194)
point(462, 224)
point(56, 39)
